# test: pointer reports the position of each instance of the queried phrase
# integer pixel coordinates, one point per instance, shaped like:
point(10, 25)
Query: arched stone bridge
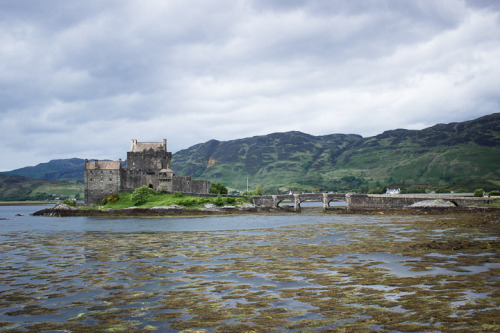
point(365, 201)
point(273, 201)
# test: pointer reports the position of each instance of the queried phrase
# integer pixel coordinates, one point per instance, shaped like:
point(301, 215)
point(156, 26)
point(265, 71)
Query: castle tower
point(101, 179)
point(145, 160)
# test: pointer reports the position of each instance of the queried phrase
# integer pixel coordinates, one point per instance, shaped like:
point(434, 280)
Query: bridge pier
point(326, 201)
point(275, 201)
point(296, 203)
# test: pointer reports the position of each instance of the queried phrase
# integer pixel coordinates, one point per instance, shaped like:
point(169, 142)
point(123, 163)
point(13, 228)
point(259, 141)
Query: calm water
point(290, 272)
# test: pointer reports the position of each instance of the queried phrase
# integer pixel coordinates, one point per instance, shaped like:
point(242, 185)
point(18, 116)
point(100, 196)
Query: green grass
point(64, 190)
point(163, 199)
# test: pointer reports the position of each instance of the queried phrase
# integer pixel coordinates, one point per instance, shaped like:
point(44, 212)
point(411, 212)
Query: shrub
point(219, 201)
point(112, 198)
point(218, 188)
point(69, 202)
point(259, 190)
point(177, 195)
point(377, 190)
point(186, 202)
point(141, 194)
point(478, 193)
point(230, 201)
point(494, 193)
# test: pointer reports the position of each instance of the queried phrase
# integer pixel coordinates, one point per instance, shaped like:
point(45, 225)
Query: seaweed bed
point(383, 273)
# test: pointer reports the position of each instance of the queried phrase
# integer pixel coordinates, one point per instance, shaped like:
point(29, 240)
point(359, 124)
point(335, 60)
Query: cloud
point(82, 78)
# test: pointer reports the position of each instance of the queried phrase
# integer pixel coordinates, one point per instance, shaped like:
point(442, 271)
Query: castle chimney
point(133, 145)
point(165, 144)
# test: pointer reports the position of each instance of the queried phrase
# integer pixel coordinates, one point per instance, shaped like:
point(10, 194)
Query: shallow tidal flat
point(331, 273)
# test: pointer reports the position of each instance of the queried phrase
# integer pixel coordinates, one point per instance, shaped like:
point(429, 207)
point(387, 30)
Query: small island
point(145, 201)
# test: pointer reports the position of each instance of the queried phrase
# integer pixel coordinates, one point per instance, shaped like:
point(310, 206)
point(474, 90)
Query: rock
point(248, 206)
point(63, 207)
point(171, 207)
point(19, 214)
point(176, 207)
point(210, 207)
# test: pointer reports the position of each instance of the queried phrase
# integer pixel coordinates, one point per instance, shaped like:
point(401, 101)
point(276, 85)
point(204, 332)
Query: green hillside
point(63, 169)
point(454, 156)
point(19, 188)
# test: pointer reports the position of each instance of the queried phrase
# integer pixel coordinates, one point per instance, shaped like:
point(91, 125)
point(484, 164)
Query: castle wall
point(143, 168)
point(200, 186)
point(185, 184)
point(181, 184)
point(101, 180)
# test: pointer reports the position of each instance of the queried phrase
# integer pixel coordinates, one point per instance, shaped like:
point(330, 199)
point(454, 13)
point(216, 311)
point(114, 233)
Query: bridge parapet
point(273, 201)
point(364, 201)
point(384, 201)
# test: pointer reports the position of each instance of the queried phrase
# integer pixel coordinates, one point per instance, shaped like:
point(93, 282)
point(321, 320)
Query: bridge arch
point(337, 203)
point(284, 203)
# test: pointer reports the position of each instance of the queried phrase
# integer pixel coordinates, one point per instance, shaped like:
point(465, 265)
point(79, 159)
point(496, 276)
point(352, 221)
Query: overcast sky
point(81, 78)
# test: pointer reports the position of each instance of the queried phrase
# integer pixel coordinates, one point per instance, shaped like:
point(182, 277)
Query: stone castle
point(148, 163)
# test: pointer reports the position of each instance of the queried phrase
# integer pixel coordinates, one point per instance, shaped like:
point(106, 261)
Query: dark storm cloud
point(80, 78)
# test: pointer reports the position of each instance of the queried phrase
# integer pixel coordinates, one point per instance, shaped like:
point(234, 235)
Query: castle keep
point(148, 163)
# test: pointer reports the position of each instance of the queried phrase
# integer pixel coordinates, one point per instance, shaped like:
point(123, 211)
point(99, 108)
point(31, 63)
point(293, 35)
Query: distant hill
point(458, 155)
point(64, 169)
point(464, 155)
point(13, 188)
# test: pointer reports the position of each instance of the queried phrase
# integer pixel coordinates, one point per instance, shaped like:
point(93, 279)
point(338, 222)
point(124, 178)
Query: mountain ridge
point(304, 161)
point(454, 155)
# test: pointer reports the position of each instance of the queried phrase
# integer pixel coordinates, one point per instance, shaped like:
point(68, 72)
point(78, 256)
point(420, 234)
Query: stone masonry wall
point(143, 168)
point(100, 184)
point(200, 186)
point(181, 184)
point(185, 184)
point(363, 201)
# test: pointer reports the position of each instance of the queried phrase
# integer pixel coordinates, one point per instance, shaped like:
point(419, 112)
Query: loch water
point(262, 272)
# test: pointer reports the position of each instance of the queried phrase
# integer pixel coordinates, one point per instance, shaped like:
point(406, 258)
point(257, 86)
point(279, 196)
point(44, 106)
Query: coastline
point(26, 203)
point(66, 211)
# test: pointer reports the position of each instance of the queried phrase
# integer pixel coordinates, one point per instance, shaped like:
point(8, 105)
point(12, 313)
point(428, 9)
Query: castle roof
point(102, 165)
point(140, 146)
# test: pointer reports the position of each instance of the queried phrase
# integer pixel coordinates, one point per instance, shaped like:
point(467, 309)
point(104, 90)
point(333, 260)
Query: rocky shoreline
point(62, 210)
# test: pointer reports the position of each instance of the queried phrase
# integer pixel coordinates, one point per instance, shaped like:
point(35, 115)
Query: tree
point(218, 188)
point(479, 193)
point(259, 190)
point(140, 195)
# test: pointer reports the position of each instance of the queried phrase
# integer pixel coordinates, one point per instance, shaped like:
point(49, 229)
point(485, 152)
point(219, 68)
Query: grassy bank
point(153, 199)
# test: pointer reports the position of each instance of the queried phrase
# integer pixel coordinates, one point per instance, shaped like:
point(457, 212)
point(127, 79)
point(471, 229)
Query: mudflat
point(324, 272)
